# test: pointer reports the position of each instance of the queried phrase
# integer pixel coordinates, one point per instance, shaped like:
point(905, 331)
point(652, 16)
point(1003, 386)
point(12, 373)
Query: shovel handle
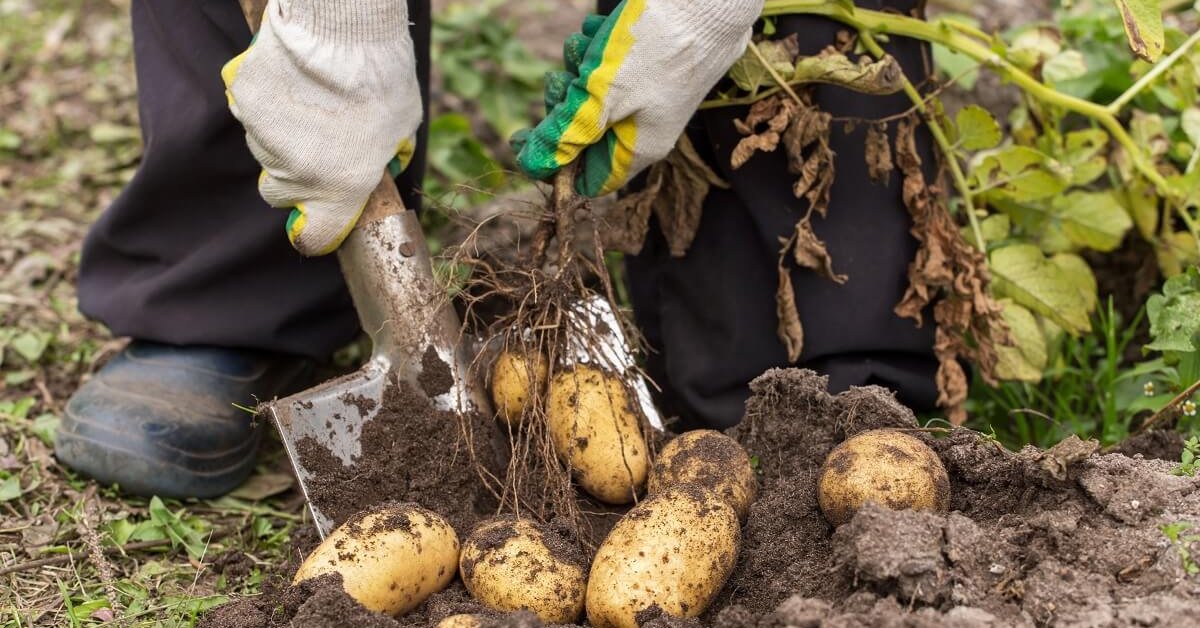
point(385, 200)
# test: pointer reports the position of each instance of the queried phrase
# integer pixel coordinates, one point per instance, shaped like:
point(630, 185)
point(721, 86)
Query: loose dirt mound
point(412, 452)
point(1058, 537)
point(1061, 537)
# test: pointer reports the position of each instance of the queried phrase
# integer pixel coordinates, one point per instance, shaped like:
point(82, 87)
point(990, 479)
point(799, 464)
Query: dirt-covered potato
point(391, 557)
point(712, 460)
point(460, 621)
point(675, 549)
point(594, 428)
point(510, 564)
point(515, 377)
point(892, 469)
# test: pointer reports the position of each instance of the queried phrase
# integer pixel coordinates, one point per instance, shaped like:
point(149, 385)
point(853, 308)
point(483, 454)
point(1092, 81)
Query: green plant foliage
point(1082, 385)
point(1175, 533)
point(1175, 316)
point(1143, 26)
point(1188, 460)
point(482, 63)
point(1023, 273)
point(481, 60)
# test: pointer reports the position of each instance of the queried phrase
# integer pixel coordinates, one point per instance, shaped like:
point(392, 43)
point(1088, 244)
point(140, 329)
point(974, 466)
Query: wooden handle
point(253, 10)
point(385, 200)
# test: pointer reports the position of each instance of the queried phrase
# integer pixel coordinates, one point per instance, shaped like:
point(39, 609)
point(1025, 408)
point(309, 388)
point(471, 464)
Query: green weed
point(1188, 460)
point(1182, 542)
point(1086, 389)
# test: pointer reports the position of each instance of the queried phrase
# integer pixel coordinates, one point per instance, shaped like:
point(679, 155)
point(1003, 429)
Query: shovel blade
point(330, 416)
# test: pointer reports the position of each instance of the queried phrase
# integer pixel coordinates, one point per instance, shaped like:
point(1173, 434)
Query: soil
point(435, 378)
point(1059, 537)
point(411, 452)
point(1160, 444)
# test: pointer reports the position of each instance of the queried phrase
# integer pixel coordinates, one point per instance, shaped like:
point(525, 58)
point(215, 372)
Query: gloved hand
point(633, 81)
point(328, 93)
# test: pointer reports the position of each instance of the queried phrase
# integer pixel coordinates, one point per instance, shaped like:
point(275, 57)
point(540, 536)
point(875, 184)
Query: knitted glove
point(328, 94)
point(633, 81)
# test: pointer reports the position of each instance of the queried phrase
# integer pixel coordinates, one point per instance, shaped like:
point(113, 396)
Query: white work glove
point(633, 80)
point(328, 94)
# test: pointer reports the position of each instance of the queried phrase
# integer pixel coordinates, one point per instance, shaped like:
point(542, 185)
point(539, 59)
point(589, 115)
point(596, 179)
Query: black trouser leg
point(710, 316)
point(189, 253)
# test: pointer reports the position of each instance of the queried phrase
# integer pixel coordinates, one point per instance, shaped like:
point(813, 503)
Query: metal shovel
point(402, 308)
point(405, 312)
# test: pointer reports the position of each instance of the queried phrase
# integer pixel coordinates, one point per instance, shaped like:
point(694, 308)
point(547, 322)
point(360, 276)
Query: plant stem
point(1170, 408)
point(939, 136)
point(775, 74)
point(945, 34)
point(1154, 74)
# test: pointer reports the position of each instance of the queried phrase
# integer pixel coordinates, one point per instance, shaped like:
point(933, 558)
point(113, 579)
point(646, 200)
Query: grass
point(1088, 390)
point(1091, 389)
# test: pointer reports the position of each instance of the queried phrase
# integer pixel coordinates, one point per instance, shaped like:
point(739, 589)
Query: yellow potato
point(676, 550)
point(391, 558)
point(594, 428)
point(712, 460)
point(460, 621)
point(515, 378)
point(890, 468)
point(510, 565)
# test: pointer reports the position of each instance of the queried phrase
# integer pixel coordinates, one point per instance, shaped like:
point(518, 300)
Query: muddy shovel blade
point(406, 313)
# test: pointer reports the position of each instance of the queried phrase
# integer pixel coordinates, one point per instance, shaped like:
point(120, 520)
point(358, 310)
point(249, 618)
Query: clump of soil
point(1163, 444)
point(411, 452)
point(435, 378)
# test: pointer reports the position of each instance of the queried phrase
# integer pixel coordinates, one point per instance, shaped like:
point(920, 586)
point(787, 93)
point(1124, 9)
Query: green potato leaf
point(1021, 173)
point(1026, 360)
point(1081, 276)
point(1095, 220)
point(751, 75)
point(1175, 314)
point(1143, 27)
point(977, 129)
point(1022, 272)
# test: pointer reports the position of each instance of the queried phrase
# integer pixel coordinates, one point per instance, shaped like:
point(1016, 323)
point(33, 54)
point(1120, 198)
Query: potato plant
point(1103, 146)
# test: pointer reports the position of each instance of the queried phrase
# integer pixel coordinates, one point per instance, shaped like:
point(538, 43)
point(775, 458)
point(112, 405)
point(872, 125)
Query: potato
point(890, 468)
point(511, 564)
point(676, 549)
point(712, 460)
point(460, 621)
point(515, 377)
point(391, 558)
point(595, 430)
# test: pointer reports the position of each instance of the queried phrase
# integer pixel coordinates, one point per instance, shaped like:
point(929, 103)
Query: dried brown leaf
point(809, 251)
point(806, 141)
point(765, 142)
point(952, 390)
point(949, 271)
point(681, 202)
point(879, 154)
point(791, 330)
point(675, 192)
point(628, 222)
point(776, 114)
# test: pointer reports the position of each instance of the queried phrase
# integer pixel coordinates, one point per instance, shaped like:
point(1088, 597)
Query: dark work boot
point(160, 420)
